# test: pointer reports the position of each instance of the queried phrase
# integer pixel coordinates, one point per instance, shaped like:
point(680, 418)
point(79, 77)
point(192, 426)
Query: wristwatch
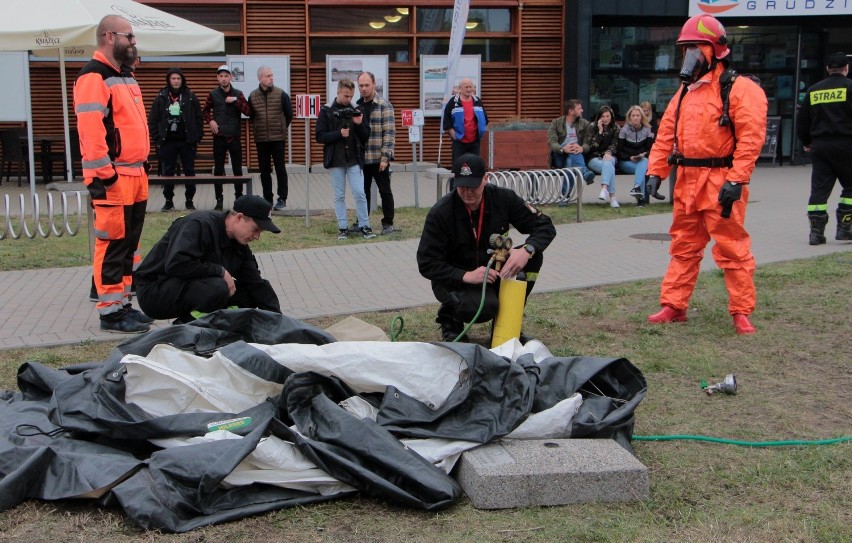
point(530, 249)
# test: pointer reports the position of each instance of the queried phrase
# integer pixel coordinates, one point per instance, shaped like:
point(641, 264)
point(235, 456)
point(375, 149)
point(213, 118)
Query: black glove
point(110, 181)
point(729, 194)
point(653, 187)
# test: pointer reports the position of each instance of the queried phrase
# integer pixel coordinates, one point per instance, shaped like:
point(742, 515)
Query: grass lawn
point(794, 383)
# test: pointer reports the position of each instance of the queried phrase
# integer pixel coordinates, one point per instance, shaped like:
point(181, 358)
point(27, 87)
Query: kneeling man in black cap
point(454, 246)
point(203, 263)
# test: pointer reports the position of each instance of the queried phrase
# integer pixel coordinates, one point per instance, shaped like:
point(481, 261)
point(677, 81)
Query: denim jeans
point(606, 169)
point(356, 185)
point(567, 160)
point(638, 170)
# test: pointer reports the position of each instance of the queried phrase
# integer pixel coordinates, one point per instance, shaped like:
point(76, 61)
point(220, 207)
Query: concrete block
point(435, 172)
point(523, 473)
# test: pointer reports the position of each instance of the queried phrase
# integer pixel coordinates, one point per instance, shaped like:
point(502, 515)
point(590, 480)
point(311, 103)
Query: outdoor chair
point(13, 154)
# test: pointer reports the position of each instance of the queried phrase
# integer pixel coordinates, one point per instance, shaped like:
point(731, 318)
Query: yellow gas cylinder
point(510, 313)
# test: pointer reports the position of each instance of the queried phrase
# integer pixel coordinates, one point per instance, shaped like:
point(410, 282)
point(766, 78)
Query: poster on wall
point(339, 67)
point(611, 53)
point(433, 76)
point(244, 72)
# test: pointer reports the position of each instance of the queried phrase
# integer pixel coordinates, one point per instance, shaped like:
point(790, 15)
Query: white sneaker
point(604, 195)
point(613, 202)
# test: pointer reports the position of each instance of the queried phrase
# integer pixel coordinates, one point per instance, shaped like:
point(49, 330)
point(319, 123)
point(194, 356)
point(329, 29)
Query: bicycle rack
point(38, 227)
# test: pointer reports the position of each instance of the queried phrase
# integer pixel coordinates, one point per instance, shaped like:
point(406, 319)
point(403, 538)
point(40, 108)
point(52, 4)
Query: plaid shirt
point(382, 131)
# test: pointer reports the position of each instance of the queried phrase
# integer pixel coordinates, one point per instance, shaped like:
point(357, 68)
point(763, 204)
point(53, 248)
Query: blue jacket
point(454, 116)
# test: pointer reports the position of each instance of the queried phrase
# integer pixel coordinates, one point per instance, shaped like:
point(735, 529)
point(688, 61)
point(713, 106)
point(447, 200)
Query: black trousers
point(169, 153)
point(460, 148)
point(269, 153)
point(383, 182)
point(173, 297)
point(832, 161)
point(459, 303)
point(221, 145)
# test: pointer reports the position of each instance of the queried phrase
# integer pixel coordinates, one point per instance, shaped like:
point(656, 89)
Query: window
point(385, 30)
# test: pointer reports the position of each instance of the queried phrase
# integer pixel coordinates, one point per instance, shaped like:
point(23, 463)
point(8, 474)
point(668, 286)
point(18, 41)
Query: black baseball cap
point(468, 170)
point(258, 209)
point(837, 60)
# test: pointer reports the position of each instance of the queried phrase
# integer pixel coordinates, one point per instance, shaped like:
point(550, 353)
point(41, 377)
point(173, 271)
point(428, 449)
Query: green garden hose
point(785, 443)
point(481, 302)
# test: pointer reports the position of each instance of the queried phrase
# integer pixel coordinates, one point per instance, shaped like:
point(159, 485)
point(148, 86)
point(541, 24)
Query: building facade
point(534, 53)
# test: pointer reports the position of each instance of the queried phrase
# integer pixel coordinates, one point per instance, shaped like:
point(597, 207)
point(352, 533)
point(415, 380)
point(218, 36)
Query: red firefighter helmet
point(707, 29)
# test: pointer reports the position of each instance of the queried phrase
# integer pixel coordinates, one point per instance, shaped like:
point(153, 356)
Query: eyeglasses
point(129, 35)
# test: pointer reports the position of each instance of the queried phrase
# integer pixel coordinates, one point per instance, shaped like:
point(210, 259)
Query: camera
point(346, 113)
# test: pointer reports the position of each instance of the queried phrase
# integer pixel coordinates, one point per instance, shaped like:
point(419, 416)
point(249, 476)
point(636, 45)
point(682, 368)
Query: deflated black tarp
point(69, 433)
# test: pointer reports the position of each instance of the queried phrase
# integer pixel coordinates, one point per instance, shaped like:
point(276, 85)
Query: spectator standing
point(713, 174)
point(634, 144)
point(341, 130)
point(465, 120)
point(453, 250)
point(603, 146)
point(271, 115)
point(825, 128)
point(223, 112)
point(114, 171)
point(203, 263)
point(176, 126)
point(379, 119)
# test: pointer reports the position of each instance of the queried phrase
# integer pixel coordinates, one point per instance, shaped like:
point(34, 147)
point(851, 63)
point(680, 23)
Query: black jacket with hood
point(190, 113)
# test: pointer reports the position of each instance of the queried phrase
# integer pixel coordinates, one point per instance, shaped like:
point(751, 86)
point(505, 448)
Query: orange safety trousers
point(119, 218)
point(695, 220)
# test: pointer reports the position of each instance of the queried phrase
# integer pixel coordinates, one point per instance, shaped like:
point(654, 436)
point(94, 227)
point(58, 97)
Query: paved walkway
point(50, 306)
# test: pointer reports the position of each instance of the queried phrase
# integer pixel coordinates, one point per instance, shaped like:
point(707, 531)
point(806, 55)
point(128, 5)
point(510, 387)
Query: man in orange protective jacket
point(114, 142)
point(715, 162)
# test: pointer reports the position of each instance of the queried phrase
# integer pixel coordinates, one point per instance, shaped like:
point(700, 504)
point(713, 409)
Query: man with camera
point(341, 130)
point(176, 126)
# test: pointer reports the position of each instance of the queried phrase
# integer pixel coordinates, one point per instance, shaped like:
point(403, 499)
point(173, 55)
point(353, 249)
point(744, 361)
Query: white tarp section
point(171, 381)
point(55, 26)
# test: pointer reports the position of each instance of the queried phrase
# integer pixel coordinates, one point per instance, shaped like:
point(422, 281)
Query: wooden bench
point(204, 180)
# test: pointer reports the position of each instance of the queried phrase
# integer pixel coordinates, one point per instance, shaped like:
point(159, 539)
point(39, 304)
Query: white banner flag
point(456, 40)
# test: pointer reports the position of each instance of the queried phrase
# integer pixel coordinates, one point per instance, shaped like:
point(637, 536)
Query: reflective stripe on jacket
point(111, 120)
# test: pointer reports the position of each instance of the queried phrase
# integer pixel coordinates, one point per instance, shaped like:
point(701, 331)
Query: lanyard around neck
point(477, 231)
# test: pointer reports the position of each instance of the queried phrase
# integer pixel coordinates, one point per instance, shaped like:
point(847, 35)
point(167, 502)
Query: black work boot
point(450, 328)
point(844, 225)
point(818, 222)
point(168, 206)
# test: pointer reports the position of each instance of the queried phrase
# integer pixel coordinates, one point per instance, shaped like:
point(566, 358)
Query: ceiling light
point(377, 24)
point(393, 18)
point(471, 25)
point(402, 11)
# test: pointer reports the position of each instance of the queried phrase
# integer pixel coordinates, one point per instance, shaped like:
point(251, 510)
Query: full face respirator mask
point(694, 64)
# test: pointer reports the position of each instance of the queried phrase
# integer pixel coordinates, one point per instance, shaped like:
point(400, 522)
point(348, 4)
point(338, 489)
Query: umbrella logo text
point(46, 39)
point(141, 21)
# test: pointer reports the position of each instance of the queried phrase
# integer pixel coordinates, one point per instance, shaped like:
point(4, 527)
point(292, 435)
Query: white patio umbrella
point(49, 25)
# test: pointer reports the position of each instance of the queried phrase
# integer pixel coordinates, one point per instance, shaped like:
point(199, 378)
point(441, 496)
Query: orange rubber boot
point(743, 325)
point(668, 314)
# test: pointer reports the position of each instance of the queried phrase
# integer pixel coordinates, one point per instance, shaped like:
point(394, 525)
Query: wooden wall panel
point(533, 89)
point(541, 97)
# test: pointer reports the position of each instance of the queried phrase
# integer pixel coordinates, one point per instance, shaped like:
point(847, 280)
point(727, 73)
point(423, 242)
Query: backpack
point(726, 80)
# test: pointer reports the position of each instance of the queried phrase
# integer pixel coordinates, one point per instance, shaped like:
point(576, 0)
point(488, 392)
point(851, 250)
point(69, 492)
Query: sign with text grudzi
point(308, 106)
